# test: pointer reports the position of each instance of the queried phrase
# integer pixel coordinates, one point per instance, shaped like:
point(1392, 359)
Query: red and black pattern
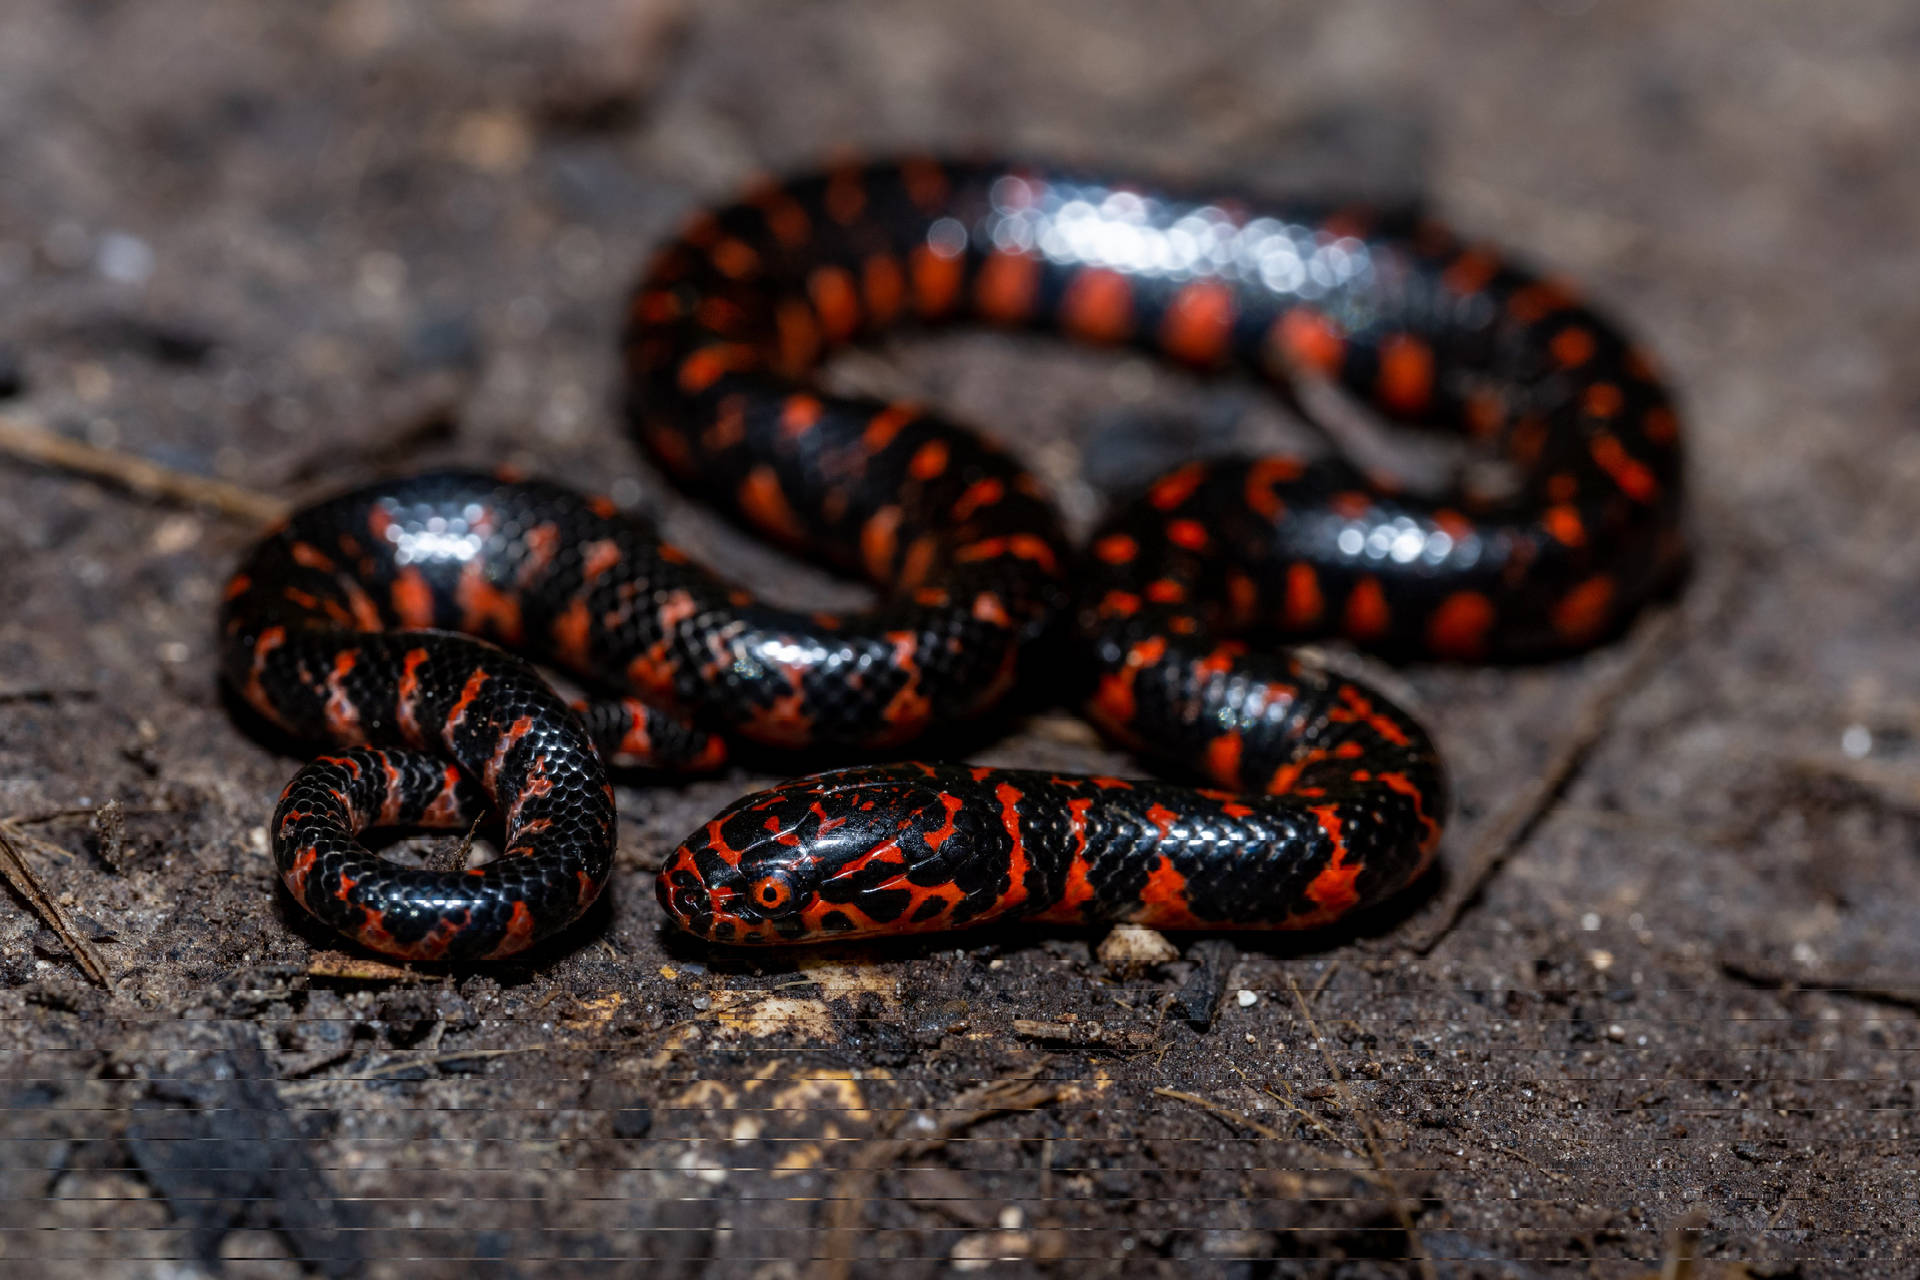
point(312, 637)
point(337, 628)
point(1332, 797)
point(1325, 797)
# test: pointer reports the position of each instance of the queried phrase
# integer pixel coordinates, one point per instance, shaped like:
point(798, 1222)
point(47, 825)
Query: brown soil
point(291, 245)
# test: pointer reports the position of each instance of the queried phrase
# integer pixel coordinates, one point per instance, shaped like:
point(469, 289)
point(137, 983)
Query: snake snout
point(684, 895)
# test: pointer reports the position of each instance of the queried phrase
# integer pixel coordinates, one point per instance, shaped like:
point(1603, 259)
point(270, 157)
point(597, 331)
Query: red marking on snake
point(722, 346)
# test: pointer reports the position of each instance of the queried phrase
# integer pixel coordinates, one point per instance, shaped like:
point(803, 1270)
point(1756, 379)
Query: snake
point(401, 622)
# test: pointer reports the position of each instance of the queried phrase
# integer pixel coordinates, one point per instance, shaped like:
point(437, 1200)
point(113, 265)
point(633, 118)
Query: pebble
point(1131, 949)
point(123, 258)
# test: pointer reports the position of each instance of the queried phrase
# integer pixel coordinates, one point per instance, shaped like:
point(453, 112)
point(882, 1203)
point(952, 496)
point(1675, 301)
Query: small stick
point(1308, 1116)
point(386, 1069)
point(49, 693)
point(149, 479)
point(1871, 989)
point(1373, 1176)
point(455, 859)
point(1682, 1243)
point(1892, 785)
point(1225, 1113)
point(338, 964)
point(1326, 976)
point(16, 872)
point(1021, 1091)
point(1527, 1160)
point(1292, 1106)
point(57, 815)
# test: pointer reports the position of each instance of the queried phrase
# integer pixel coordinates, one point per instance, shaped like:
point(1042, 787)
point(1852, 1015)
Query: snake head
point(849, 854)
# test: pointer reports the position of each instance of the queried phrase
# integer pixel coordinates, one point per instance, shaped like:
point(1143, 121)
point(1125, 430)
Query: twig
point(337, 964)
point(1872, 990)
point(1682, 1243)
point(1893, 785)
point(1367, 1132)
point(1292, 1106)
point(109, 825)
point(1501, 836)
point(15, 829)
point(46, 693)
point(1225, 1113)
point(57, 815)
point(1087, 1037)
point(149, 479)
point(1247, 1121)
point(1019, 1092)
point(1309, 1117)
point(300, 1070)
point(1525, 1159)
point(455, 859)
point(1326, 976)
point(14, 868)
point(425, 1060)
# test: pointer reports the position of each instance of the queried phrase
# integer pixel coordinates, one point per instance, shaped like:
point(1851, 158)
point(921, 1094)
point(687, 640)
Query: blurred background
point(289, 245)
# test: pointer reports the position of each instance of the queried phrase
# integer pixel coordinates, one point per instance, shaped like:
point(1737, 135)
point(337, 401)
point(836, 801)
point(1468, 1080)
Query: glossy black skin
point(1395, 310)
point(309, 639)
point(1393, 287)
point(913, 848)
point(1327, 796)
point(321, 618)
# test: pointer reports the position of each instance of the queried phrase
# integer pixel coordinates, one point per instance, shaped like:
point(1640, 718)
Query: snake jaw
point(777, 867)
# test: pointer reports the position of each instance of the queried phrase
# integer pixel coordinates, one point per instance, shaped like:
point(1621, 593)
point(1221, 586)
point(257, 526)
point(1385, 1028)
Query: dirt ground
point(291, 245)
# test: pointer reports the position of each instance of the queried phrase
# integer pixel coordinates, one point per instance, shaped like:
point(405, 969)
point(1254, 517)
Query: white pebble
point(123, 258)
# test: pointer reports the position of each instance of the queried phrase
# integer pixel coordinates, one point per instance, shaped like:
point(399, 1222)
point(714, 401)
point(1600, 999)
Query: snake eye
point(771, 893)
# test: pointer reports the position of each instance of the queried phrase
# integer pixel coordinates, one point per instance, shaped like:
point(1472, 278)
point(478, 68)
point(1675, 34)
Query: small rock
point(1199, 996)
point(495, 141)
point(123, 258)
point(13, 378)
point(1132, 949)
point(633, 1122)
point(981, 1251)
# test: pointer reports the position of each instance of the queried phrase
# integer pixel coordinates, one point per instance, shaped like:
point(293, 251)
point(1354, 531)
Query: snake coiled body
point(1319, 794)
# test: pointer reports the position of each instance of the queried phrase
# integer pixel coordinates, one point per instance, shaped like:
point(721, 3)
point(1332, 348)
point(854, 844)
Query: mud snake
point(1319, 794)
